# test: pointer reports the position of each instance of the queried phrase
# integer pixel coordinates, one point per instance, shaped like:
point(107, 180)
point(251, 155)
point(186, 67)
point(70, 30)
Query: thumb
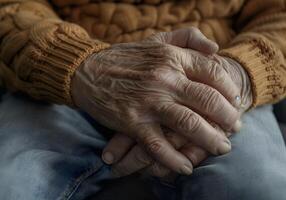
point(191, 38)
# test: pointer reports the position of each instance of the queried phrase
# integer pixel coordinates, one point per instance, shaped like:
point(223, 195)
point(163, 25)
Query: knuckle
point(168, 54)
point(216, 73)
point(158, 36)
point(150, 102)
point(163, 108)
point(168, 57)
point(132, 119)
point(164, 78)
point(212, 101)
point(162, 51)
point(166, 49)
point(157, 74)
point(194, 122)
point(188, 121)
point(154, 145)
point(187, 89)
point(178, 84)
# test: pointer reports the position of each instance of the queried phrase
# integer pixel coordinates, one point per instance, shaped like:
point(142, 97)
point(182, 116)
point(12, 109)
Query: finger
point(191, 38)
point(135, 160)
point(209, 102)
point(196, 129)
point(197, 154)
point(194, 153)
point(116, 148)
point(176, 140)
point(154, 142)
point(210, 71)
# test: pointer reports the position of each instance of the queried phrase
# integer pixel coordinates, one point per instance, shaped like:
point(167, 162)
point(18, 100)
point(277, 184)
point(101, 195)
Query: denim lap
point(51, 152)
point(47, 151)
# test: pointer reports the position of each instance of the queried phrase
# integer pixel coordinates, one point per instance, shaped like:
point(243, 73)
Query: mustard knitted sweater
point(43, 42)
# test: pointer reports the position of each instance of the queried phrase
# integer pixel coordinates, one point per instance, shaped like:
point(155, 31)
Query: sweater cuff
point(259, 59)
point(54, 66)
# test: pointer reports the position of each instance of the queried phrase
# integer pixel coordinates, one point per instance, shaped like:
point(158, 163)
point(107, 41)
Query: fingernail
point(237, 101)
point(186, 170)
point(224, 147)
point(237, 126)
point(108, 158)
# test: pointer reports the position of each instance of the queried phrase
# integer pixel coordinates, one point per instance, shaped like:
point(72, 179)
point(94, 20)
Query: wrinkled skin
point(136, 88)
point(137, 159)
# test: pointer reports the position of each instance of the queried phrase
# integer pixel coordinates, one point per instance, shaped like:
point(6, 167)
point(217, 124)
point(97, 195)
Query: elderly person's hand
point(134, 88)
point(137, 159)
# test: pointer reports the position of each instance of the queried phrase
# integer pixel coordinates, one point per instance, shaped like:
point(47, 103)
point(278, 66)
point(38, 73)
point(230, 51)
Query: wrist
point(84, 80)
point(77, 82)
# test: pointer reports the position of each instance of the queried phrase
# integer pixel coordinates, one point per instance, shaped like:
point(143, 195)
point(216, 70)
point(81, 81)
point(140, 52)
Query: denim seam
point(72, 188)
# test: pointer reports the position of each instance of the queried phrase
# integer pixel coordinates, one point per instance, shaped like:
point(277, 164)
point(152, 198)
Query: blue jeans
point(51, 152)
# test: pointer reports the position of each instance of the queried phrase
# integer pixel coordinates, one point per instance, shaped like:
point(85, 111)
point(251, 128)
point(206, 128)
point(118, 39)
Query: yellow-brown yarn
point(39, 51)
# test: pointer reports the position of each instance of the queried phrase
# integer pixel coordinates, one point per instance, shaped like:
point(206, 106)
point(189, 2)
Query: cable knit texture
point(39, 51)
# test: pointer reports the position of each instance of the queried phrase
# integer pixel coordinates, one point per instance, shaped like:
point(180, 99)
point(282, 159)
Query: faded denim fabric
point(47, 151)
point(51, 152)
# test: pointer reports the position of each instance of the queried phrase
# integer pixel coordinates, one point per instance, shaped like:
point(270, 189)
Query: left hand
point(136, 158)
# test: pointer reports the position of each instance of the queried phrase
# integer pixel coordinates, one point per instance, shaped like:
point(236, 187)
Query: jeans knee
point(254, 181)
point(235, 181)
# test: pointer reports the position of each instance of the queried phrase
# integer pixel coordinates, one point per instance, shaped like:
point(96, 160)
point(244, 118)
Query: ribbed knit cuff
point(260, 60)
point(54, 66)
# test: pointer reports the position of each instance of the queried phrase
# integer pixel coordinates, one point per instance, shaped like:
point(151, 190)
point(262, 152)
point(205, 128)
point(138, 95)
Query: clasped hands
point(171, 98)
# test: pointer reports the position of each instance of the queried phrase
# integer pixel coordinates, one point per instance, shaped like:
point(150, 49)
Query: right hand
point(129, 157)
point(134, 88)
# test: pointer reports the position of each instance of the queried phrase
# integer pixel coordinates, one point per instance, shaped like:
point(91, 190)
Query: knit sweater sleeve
point(260, 48)
point(39, 52)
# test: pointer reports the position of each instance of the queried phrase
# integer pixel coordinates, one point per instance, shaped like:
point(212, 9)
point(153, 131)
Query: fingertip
point(186, 169)
point(224, 147)
point(108, 158)
point(237, 126)
point(212, 47)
